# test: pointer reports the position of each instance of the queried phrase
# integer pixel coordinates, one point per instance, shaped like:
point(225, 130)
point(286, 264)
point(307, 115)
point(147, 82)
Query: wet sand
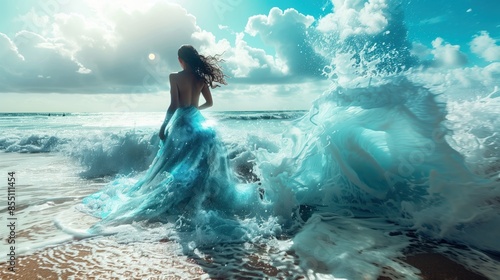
point(438, 267)
point(101, 259)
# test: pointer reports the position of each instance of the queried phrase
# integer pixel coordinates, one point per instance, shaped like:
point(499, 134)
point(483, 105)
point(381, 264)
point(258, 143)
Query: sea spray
point(381, 153)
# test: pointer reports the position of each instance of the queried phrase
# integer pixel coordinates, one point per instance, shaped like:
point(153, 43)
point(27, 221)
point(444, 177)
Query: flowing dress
point(189, 172)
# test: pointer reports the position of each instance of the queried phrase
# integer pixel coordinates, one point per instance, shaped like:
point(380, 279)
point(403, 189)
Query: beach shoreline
point(50, 185)
point(77, 260)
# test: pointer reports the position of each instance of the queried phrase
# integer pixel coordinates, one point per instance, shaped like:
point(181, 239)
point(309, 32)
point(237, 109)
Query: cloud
point(352, 18)
point(36, 63)
point(447, 55)
point(242, 63)
point(250, 64)
point(441, 54)
point(295, 59)
point(460, 82)
point(420, 51)
point(485, 46)
point(108, 51)
point(118, 53)
point(101, 55)
point(288, 32)
point(372, 33)
point(9, 54)
point(434, 20)
point(10, 58)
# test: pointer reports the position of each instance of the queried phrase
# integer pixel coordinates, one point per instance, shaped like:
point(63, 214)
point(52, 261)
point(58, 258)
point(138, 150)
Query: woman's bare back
point(185, 89)
point(198, 74)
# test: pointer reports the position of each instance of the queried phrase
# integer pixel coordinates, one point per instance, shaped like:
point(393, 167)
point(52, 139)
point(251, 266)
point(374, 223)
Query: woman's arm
point(174, 94)
point(174, 104)
point(208, 98)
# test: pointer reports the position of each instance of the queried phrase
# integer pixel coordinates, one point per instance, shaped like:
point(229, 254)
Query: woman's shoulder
point(175, 76)
point(178, 75)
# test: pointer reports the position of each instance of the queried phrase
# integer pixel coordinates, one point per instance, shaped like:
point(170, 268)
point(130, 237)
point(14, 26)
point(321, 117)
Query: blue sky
point(94, 55)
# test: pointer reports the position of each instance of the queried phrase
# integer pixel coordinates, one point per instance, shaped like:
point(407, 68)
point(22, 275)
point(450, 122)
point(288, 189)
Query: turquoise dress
point(190, 172)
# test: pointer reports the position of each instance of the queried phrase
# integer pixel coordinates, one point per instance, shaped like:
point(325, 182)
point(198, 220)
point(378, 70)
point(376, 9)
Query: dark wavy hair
point(204, 67)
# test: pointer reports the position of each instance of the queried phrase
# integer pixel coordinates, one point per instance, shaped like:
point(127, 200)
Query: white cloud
point(459, 82)
point(245, 61)
point(372, 32)
point(107, 52)
point(79, 33)
point(441, 54)
point(242, 62)
point(34, 56)
point(485, 46)
point(88, 54)
point(209, 44)
point(8, 51)
point(33, 21)
point(354, 17)
point(433, 20)
point(277, 18)
point(491, 74)
point(420, 50)
point(447, 55)
point(288, 32)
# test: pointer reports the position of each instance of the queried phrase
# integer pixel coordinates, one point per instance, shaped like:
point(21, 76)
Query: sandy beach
point(105, 258)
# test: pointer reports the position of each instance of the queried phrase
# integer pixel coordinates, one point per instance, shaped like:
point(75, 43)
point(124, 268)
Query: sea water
point(59, 159)
point(326, 173)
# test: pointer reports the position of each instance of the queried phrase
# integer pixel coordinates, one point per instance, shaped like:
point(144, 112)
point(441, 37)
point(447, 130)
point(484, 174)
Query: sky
point(111, 55)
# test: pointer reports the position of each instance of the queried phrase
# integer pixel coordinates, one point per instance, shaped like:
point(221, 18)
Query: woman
point(198, 74)
point(190, 170)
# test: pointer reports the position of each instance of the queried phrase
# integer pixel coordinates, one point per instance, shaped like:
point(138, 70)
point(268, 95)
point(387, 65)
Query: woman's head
point(204, 67)
point(188, 54)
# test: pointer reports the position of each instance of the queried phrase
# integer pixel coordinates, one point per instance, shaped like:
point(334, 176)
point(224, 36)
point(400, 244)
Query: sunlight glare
point(128, 5)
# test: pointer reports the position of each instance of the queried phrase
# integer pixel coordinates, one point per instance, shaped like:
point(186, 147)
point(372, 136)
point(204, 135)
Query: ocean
point(348, 190)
